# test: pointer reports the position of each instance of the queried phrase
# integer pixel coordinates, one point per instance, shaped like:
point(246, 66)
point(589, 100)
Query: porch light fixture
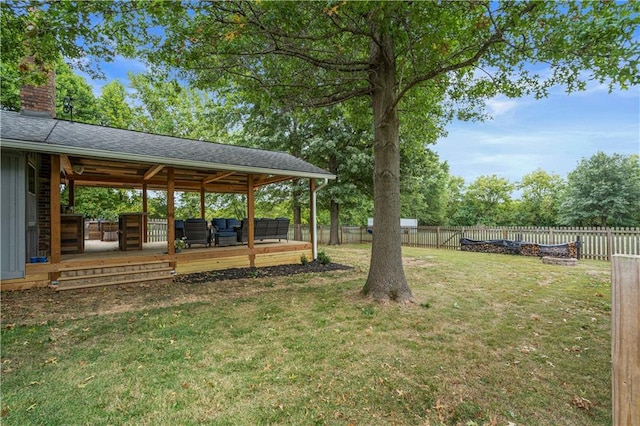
point(67, 106)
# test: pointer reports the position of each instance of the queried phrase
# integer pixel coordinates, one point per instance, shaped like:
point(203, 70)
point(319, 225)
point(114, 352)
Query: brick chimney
point(39, 100)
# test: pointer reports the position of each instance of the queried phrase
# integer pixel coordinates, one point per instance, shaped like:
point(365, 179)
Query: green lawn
point(494, 339)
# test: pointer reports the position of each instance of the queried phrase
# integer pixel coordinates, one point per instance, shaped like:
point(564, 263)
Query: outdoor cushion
point(223, 225)
point(219, 223)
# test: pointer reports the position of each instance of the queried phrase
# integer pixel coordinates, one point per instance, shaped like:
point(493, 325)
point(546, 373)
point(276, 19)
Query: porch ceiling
point(122, 174)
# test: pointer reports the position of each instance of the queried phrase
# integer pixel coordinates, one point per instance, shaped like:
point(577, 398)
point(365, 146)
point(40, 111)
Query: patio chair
point(225, 231)
point(196, 231)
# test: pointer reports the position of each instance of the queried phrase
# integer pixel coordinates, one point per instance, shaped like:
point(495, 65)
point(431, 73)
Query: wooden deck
point(108, 266)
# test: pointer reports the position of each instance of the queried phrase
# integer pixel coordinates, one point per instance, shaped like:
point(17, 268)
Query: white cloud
point(553, 134)
point(501, 105)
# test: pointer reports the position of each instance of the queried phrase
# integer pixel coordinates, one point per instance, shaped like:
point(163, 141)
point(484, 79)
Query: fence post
point(609, 244)
point(625, 336)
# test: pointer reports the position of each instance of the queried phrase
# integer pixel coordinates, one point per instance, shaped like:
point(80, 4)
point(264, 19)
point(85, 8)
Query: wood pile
point(528, 249)
point(568, 250)
point(490, 246)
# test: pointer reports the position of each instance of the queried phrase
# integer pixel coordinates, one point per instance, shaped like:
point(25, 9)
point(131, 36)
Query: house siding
point(12, 215)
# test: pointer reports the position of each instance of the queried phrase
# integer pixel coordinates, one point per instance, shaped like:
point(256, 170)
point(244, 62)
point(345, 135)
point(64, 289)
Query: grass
point(494, 339)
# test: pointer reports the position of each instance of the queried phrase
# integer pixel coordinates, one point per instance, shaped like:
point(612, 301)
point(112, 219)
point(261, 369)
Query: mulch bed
point(41, 305)
point(266, 271)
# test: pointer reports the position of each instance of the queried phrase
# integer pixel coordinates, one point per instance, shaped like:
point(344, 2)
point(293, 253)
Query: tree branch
point(496, 37)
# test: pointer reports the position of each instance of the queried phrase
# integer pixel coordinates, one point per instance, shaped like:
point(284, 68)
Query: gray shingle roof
point(67, 137)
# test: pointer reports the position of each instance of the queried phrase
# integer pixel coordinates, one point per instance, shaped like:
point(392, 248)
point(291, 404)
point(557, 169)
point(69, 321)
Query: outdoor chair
point(225, 231)
point(196, 231)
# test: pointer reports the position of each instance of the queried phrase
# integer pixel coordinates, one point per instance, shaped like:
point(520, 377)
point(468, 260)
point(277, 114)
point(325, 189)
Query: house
point(39, 152)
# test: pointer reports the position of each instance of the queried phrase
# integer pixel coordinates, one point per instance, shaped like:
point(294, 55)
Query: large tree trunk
point(334, 235)
point(386, 280)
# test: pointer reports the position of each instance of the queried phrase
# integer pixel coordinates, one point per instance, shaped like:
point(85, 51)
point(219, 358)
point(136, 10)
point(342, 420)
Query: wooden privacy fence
point(156, 230)
point(596, 243)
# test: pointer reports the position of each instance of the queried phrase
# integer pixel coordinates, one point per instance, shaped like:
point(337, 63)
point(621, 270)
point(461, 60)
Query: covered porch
point(102, 263)
point(77, 155)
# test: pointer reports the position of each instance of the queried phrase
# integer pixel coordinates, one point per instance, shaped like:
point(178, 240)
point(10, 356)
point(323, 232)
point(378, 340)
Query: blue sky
point(553, 134)
point(525, 134)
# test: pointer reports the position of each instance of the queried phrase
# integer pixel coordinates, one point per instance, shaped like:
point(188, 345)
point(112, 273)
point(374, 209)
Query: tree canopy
point(603, 190)
point(541, 196)
point(487, 201)
point(445, 57)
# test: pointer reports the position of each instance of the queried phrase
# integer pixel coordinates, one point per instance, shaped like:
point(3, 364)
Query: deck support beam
point(251, 211)
point(145, 208)
point(312, 217)
point(202, 203)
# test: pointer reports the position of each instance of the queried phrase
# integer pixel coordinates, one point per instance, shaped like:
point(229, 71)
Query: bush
point(323, 258)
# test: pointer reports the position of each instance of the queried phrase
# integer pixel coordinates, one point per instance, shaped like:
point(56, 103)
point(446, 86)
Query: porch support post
point(145, 207)
point(56, 249)
point(313, 218)
point(202, 212)
point(171, 229)
point(250, 224)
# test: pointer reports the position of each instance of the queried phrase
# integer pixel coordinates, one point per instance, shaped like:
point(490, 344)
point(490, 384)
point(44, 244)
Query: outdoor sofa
point(265, 229)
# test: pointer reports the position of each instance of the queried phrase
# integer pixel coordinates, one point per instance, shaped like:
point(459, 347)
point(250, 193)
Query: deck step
point(112, 274)
point(151, 272)
point(119, 267)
